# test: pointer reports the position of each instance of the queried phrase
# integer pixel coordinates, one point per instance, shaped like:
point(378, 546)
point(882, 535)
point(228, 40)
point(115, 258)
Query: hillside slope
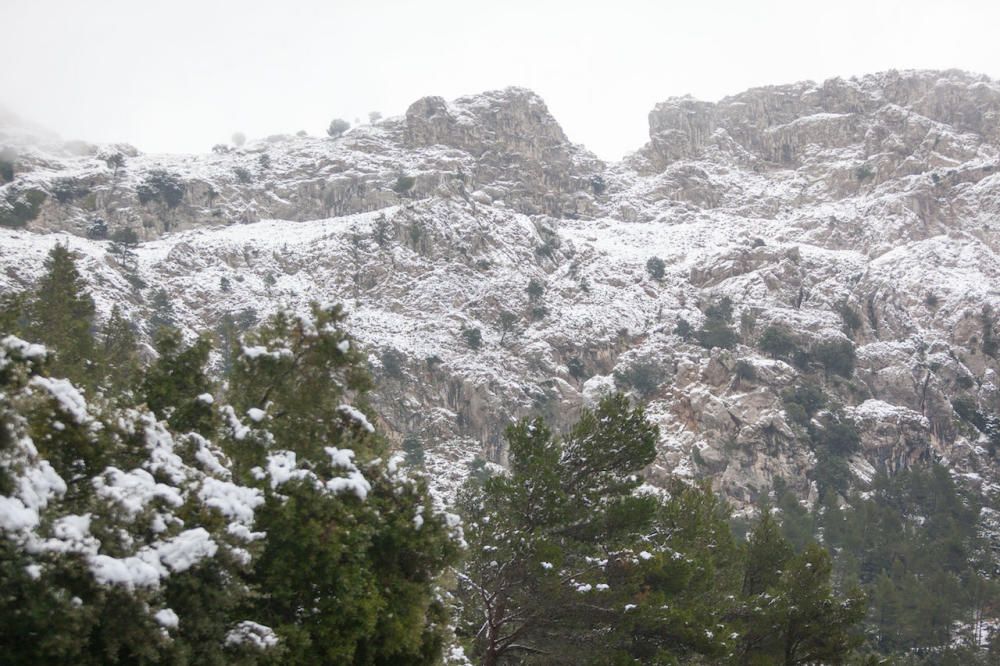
point(855, 214)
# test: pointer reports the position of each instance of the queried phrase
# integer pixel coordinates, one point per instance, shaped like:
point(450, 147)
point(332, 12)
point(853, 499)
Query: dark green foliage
point(119, 351)
point(66, 190)
point(967, 410)
point(748, 323)
point(864, 172)
point(644, 377)
point(656, 268)
point(173, 384)
point(413, 450)
point(228, 335)
point(548, 247)
point(831, 473)
point(798, 525)
point(834, 439)
point(777, 342)
point(243, 175)
point(989, 425)
point(717, 330)
point(123, 244)
point(508, 323)
point(295, 379)
point(473, 337)
point(836, 356)
point(346, 580)
point(990, 343)
point(598, 184)
point(20, 207)
point(13, 313)
point(61, 316)
point(745, 371)
point(566, 497)
point(767, 554)
point(382, 231)
point(831, 434)
point(8, 158)
point(416, 234)
point(683, 329)
point(264, 161)
point(803, 360)
point(162, 315)
point(913, 542)
point(479, 471)
point(404, 184)
point(567, 565)
point(790, 612)
point(125, 236)
point(850, 317)
point(801, 403)
point(114, 161)
point(163, 186)
point(97, 230)
point(392, 363)
point(342, 577)
point(535, 289)
point(538, 312)
point(550, 242)
point(337, 127)
point(576, 367)
point(839, 437)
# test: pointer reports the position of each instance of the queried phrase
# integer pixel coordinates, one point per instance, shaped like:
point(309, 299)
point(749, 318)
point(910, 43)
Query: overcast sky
point(182, 75)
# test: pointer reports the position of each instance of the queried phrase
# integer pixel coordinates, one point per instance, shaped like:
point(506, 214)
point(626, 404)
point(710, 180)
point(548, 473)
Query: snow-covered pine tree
point(348, 573)
point(127, 535)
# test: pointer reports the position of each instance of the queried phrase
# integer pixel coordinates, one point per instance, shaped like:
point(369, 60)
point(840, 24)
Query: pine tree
point(175, 386)
point(348, 573)
point(12, 313)
point(681, 590)
point(568, 565)
point(60, 315)
point(717, 330)
point(119, 351)
point(162, 315)
point(88, 560)
point(789, 611)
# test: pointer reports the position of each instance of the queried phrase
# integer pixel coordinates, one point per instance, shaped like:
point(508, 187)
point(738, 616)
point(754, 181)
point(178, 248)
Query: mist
point(184, 75)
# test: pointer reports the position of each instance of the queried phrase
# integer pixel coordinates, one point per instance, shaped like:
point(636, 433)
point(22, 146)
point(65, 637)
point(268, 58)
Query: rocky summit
point(765, 272)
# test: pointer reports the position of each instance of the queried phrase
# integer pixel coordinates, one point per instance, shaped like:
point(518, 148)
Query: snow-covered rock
point(878, 195)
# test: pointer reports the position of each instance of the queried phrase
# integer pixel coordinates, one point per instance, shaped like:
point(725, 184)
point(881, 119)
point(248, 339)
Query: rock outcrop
point(859, 214)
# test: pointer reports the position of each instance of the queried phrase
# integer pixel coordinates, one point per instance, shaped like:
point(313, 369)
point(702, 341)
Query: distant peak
point(511, 114)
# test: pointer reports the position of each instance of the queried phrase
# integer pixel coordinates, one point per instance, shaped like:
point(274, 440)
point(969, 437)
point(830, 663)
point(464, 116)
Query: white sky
point(182, 75)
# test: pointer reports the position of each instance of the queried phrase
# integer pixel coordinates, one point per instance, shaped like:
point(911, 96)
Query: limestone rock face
point(861, 212)
point(900, 112)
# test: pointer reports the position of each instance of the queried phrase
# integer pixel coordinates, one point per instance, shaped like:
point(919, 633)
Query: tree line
point(156, 512)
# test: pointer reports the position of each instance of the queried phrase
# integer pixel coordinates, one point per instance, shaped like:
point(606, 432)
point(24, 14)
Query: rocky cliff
point(857, 215)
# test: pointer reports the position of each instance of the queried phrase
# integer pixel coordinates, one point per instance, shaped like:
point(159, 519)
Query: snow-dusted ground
point(882, 194)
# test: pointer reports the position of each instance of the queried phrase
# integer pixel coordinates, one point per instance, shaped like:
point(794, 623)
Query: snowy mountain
point(863, 213)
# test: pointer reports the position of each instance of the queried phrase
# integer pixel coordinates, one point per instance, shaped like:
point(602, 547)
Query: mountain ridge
point(806, 215)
